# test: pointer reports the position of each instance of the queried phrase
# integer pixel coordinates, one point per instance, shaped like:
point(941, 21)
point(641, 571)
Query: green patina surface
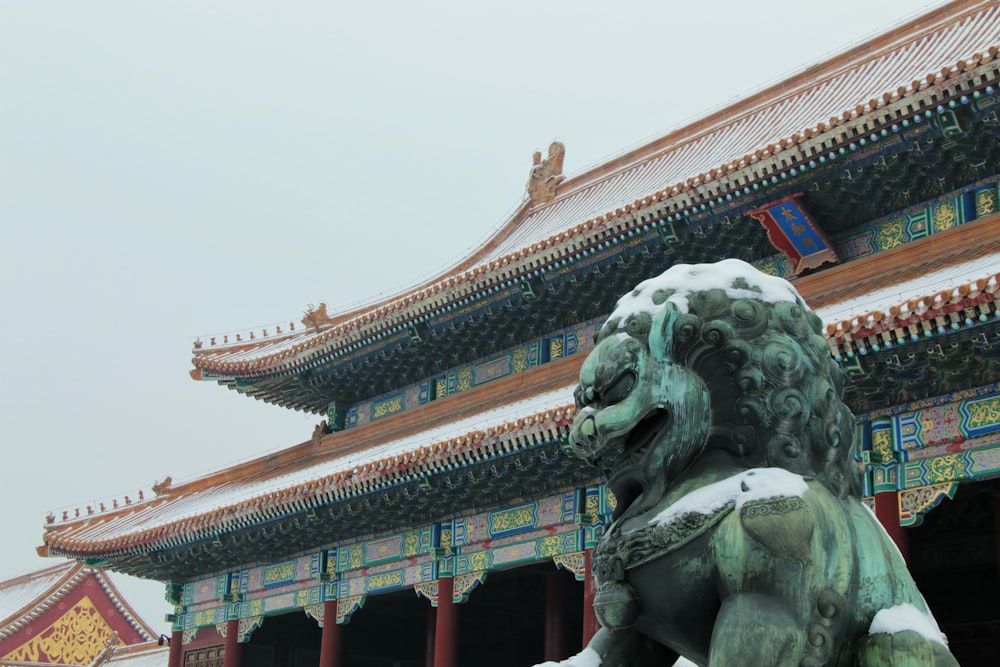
point(713, 407)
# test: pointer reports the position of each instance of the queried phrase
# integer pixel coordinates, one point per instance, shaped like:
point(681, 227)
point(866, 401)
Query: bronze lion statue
point(713, 407)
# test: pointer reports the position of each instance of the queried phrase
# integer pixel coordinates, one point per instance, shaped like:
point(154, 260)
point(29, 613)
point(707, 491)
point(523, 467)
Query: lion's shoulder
point(782, 525)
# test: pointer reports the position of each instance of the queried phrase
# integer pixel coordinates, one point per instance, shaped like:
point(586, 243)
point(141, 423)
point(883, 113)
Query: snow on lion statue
point(712, 406)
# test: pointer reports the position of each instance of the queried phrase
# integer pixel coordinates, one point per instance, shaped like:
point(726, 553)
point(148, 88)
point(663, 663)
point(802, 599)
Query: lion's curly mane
point(776, 393)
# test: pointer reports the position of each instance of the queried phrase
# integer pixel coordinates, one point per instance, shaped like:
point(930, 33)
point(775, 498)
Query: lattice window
point(205, 657)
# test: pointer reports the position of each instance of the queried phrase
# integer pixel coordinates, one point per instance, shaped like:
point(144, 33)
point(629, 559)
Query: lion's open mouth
point(625, 476)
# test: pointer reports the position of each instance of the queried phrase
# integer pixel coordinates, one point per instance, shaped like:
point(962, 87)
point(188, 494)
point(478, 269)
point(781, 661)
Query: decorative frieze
point(575, 562)
point(915, 503)
point(933, 445)
point(557, 527)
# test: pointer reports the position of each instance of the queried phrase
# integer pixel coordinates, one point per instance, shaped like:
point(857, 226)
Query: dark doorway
point(503, 623)
point(288, 640)
point(953, 557)
point(388, 631)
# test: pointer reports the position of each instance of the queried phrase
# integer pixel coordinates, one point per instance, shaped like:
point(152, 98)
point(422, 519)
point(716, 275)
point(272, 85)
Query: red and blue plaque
point(792, 230)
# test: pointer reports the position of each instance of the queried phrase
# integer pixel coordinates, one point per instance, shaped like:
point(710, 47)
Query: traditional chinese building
point(67, 614)
point(434, 518)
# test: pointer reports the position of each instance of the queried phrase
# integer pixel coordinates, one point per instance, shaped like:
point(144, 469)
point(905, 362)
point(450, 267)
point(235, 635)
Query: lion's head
point(711, 357)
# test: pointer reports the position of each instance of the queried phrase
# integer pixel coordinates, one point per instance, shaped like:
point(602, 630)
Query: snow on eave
point(147, 654)
point(914, 300)
point(230, 505)
point(39, 591)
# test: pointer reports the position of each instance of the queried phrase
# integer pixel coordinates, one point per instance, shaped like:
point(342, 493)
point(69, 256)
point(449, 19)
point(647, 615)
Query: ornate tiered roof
point(722, 161)
point(866, 140)
point(468, 430)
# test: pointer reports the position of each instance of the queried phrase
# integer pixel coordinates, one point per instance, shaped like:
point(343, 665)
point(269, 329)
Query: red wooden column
point(590, 624)
point(330, 644)
point(555, 616)
point(176, 658)
point(446, 626)
point(887, 512)
point(234, 649)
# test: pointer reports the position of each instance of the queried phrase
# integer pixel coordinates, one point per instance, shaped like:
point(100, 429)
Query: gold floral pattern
point(76, 638)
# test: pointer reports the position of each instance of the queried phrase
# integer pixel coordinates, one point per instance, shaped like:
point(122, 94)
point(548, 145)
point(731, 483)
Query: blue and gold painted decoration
point(942, 425)
point(986, 200)
point(521, 548)
point(541, 513)
point(915, 223)
point(284, 601)
point(278, 574)
point(512, 520)
point(947, 468)
point(468, 547)
point(980, 416)
point(206, 617)
point(935, 444)
point(571, 340)
point(792, 230)
point(920, 221)
point(389, 577)
point(408, 544)
point(282, 574)
point(883, 443)
point(491, 369)
point(387, 406)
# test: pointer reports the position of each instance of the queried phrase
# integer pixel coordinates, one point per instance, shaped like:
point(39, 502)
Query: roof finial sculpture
point(546, 174)
point(159, 488)
point(316, 317)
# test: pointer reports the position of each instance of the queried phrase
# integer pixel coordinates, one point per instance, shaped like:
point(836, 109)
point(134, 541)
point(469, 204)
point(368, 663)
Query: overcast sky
point(180, 169)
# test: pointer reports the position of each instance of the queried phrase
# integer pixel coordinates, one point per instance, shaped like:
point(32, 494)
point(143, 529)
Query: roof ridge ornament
point(546, 174)
point(316, 317)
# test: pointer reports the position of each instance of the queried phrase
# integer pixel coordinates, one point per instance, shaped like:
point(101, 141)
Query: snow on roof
point(149, 654)
point(19, 593)
point(231, 495)
point(923, 286)
point(913, 59)
point(866, 77)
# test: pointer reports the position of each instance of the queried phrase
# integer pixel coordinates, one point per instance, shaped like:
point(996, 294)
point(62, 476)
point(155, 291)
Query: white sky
point(174, 170)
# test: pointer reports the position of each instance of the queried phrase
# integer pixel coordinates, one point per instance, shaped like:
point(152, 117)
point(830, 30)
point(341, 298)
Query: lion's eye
point(620, 388)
